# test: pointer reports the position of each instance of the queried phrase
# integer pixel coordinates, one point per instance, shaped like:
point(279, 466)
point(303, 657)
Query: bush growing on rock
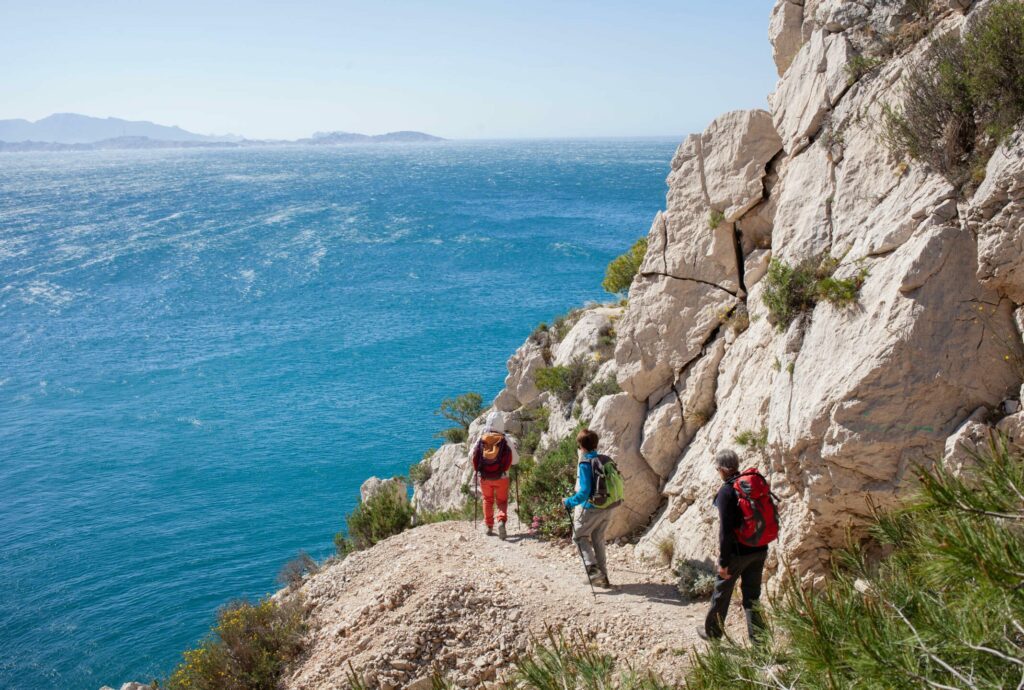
point(695, 580)
point(567, 381)
point(384, 514)
point(462, 410)
point(599, 389)
point(944, 608)
point(755, 440)
point(248, 649)
point(544, 483)
point(792, 290)
point(535, 423)
point(965, 96)
point(622, 269)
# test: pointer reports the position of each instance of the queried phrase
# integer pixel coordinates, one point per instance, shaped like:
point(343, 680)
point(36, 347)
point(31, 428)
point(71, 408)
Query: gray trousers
point(588, 526)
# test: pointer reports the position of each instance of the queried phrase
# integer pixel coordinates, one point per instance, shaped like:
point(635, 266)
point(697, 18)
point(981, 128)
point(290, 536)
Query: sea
point(203, 354)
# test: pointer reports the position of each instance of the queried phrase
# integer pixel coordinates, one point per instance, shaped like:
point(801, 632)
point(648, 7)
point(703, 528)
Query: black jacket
point(729, 519)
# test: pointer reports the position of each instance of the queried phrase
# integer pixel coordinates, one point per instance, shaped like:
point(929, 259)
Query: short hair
point(727, 460)
point(587, 440)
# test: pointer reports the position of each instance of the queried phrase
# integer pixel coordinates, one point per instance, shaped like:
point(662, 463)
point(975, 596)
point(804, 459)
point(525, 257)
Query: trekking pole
point(476, 490)
point(519, 519)
point(572, 531)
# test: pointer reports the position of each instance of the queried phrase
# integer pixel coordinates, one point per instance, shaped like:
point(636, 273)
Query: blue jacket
point(584, 482)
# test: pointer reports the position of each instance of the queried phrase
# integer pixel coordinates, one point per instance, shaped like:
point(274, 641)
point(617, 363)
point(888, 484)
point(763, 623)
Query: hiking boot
point(490, 530)
point(593, 574)
point(703, 634)
point(501, 531)
point(601, 580)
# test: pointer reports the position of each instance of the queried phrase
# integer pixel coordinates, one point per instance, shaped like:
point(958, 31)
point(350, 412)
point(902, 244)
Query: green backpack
point(609, 489)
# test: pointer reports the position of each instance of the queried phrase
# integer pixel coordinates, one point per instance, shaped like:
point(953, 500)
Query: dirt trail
point(447, 597)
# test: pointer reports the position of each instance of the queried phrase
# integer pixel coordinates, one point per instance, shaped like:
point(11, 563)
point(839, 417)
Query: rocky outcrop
point(374, 485)
point(450, 470)
point(839, 404)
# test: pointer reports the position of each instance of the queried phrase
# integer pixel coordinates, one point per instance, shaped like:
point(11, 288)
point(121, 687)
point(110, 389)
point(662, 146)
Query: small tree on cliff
point(462, 410)
point(620, 272)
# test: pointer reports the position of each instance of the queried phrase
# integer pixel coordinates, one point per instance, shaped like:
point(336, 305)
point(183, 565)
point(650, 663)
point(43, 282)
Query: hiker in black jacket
point(735, 559)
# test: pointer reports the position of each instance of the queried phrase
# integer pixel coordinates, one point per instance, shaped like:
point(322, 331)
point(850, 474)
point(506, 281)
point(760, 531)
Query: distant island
point(73, 132)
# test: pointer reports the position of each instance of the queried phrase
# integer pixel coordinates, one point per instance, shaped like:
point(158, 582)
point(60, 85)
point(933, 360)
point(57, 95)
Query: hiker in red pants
point(493, 456)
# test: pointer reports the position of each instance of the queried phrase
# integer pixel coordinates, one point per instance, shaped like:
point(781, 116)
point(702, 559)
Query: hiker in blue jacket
point(589, 522)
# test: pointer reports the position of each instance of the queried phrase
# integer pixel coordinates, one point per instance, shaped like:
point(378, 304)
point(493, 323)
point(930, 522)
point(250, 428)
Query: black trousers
point(748, 569)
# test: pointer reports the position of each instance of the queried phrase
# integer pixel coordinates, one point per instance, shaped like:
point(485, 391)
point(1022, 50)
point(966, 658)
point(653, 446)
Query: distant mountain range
point(72, 132)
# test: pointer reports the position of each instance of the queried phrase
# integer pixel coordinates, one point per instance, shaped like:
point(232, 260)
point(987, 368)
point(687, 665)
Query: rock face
point(837, 405)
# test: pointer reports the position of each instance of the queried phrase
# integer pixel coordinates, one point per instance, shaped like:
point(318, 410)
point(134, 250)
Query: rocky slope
point(445, 599)
point(844, 401)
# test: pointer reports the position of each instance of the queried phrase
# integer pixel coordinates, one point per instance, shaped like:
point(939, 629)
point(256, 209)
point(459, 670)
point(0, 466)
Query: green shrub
point(544, 482)
point(455, 434)
point(248, 649)
point(421, 471)
point(567, 381)
point(621, 271)
point(535, 424)
point(791, 290)
point(573, 664)
point(385, 514)
point(695, 581)
point(715, 218)
point(964, 97)
point(462, 410)
point(599, 389)
point(859, 66)
point(943, 608)
point(539, 334)
point(754, 440)
point(606, 336)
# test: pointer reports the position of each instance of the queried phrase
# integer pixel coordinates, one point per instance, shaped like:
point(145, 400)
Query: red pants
point(494, 490)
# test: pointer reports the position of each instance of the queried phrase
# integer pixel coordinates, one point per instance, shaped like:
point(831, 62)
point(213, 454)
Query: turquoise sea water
point(204, 353)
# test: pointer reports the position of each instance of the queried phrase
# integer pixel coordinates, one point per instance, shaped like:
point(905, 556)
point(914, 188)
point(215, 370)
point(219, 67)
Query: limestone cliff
point(838, 405)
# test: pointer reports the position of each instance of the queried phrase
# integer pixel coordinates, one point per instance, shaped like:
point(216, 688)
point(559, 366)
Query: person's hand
point(724, 573)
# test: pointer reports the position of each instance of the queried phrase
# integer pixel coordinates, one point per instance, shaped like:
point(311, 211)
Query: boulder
point(665, 327)
point(673, 422)
point(584, 339)
point(375, 485)
point(735, 149)
point(450, 469)
point(520, 384)
point(618, 421)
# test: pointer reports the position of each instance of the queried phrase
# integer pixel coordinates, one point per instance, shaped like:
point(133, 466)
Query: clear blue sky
point(460, 69)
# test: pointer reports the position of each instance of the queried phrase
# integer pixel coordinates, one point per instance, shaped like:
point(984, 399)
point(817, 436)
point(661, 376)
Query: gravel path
point(447, 597)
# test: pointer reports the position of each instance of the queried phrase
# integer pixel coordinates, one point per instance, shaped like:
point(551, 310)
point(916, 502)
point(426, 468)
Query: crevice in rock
point(648, 274)
point(737, 241)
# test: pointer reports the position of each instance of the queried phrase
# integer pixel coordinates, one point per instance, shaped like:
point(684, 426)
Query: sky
point(455, 68)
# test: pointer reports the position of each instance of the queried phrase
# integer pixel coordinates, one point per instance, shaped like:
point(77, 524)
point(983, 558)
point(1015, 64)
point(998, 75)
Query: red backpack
point(760, 524)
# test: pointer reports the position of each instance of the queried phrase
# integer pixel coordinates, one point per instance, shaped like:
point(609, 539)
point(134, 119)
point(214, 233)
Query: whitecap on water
point(45, 293)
